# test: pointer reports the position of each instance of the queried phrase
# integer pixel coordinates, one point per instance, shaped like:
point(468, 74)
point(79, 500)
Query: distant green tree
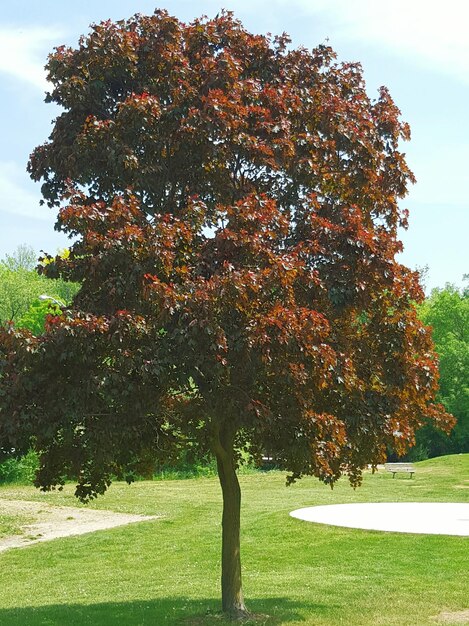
point(447, 312)
point(21, 285)
point(20, 288)
point(24, 258)
point(34, 318)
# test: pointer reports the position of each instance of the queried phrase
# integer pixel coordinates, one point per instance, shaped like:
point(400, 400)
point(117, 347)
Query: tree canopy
point(235, 208)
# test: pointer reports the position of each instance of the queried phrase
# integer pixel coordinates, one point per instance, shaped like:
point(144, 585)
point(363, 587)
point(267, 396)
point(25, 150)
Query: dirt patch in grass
point(453, 617)
point(51, 522)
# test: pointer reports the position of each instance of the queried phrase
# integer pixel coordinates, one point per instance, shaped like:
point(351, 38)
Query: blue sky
point(419, 49)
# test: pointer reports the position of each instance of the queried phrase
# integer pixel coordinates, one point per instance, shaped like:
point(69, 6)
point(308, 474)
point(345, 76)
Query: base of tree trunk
point(239, 614)
point(243, 616)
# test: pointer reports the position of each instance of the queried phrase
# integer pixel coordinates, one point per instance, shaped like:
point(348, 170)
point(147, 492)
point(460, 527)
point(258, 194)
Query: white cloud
point(17, 195)
point(23, 53)
point(433, 34)
point(430, 33)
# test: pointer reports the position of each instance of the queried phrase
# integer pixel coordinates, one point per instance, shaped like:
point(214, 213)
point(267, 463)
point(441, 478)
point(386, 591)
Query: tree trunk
point(232, 593)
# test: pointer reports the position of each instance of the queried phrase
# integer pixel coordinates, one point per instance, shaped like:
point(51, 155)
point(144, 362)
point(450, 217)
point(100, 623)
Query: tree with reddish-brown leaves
point(234, 209)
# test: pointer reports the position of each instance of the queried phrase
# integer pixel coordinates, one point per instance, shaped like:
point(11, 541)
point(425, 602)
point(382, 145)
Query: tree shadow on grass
point(162, 612)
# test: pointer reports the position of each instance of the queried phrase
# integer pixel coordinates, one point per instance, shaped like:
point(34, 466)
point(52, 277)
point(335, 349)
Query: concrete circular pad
point(429, 518)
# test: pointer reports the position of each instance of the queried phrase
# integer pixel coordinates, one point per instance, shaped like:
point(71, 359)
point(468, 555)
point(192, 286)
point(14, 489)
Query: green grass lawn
point(166, 571)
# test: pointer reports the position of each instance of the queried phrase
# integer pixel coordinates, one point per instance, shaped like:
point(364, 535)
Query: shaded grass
point(166, 571)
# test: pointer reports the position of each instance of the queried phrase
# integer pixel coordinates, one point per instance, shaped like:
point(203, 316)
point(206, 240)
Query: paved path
point(429, 518)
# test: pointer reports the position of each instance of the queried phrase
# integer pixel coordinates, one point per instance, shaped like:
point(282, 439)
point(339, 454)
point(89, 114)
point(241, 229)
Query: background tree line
point(447, 312)
point(21, 287)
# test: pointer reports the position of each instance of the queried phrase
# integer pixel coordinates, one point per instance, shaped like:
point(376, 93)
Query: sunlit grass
point(167, 571)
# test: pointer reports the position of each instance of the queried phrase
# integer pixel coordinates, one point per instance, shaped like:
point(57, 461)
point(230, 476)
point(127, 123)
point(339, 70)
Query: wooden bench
point(268, 462)
point(400, 467)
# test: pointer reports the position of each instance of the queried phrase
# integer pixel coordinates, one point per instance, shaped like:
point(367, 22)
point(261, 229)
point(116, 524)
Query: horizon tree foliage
point(235, 208)
point(23, 258)
point(446, 311)
point(21, 285)
point(34, 319)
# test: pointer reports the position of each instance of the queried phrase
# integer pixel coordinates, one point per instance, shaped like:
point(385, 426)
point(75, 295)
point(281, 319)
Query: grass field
point(166, 571)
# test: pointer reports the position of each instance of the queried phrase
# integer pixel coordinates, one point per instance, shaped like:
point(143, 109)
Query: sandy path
point(52, 522)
